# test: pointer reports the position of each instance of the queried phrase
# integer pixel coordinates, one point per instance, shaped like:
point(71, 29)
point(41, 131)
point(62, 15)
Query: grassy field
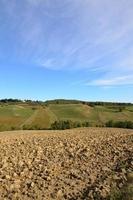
point(19, 115)
point(14, 115)
point(75, 112)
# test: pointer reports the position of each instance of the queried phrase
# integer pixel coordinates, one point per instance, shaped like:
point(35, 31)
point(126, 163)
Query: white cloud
point(114, 81)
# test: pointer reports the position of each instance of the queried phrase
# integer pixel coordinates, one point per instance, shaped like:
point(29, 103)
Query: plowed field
point(72, 164)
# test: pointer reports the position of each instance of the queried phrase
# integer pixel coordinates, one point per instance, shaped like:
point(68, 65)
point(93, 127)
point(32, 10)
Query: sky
point(71, 49)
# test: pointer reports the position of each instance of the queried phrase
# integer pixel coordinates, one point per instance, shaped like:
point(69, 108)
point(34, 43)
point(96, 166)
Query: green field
point(19, 115)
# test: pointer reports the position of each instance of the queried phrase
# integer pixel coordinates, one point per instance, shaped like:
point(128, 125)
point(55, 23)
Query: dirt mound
point(71, 164)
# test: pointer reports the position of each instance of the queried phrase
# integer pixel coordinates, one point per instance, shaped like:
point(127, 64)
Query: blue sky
point(75, 49)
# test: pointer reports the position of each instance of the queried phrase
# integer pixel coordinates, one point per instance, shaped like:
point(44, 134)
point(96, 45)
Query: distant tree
point(13, 128)
point(85, 124)
point(91, 104)
point(110, 123)
point(129, 124)
point(34, 108)
point(77, 124)
point(121, 108)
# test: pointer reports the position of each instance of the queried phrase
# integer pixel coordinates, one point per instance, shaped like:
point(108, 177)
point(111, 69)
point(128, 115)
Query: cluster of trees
point(19, 101)
point(33, 127)
point(111, 105)
point(120, 124)
point(10, 100)
point(63, 101)
point(119, 108)
point(58, 125)
point(68, 124)
point(33, 102)
point(89, 103)
point(4, 127)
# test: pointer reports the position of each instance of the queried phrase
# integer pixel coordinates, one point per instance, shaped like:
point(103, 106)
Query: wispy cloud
point(71, 34)
point(115, 81)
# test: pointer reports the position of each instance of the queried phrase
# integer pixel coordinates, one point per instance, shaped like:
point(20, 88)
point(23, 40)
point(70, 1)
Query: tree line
point(65, 101)
point(68, 124)
point(120, 124)
point(62, 125)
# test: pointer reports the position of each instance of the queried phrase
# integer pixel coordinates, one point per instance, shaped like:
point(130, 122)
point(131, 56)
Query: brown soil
point(72, 164)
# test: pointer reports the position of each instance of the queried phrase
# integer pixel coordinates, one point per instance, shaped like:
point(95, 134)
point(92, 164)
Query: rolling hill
point(17, 115)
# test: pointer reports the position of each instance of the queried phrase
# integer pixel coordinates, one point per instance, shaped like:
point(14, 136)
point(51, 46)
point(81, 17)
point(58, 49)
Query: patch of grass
point(75, 112)
point(13, 116)
point(106, 114)
point(42, 118)
point(126, 193)
point(116, 194)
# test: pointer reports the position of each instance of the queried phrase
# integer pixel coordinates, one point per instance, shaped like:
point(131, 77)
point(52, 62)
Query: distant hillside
point(17, 114)
point(64, 101)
